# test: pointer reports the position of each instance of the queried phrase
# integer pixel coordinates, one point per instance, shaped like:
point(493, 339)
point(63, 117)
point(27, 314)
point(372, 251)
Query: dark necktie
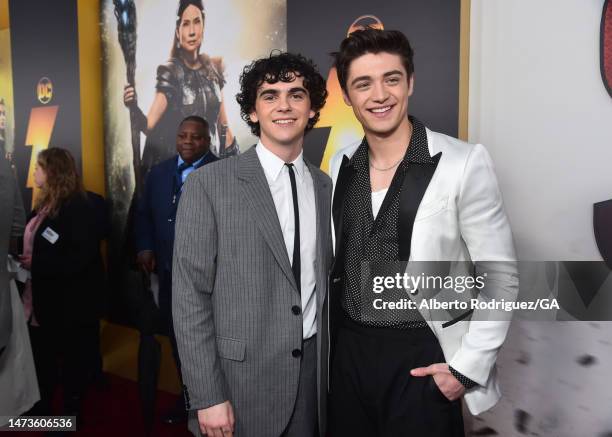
point(295, 266)
point(179, 176)
point(178, 181)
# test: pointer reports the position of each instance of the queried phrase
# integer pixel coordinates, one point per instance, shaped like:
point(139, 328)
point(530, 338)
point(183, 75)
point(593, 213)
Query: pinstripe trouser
point(303, 422)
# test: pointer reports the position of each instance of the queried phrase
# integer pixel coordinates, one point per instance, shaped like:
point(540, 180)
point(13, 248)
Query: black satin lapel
point(415, 183)
point(345, 177)
point(343, 182)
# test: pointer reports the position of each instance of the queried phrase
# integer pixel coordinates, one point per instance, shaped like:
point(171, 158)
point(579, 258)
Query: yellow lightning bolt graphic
point(40, 128)
point(345, 128)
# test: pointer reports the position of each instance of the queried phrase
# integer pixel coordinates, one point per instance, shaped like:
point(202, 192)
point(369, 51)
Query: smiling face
point(191, 29)
point(192, 141)
point(378, 89)
point(282, 110)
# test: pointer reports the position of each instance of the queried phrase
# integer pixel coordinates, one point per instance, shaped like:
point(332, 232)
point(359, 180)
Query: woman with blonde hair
point(61, 250)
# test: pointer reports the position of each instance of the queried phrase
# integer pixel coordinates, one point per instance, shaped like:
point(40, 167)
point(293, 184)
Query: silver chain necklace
point(398, 162)
point(387, 168)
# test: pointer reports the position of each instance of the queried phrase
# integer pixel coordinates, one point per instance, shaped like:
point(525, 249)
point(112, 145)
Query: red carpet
point(115, 411)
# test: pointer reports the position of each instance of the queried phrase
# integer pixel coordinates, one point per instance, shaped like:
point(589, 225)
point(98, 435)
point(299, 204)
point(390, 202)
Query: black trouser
point(65, 350)
point(165, 308)
point(373, 393)
point(97, 362)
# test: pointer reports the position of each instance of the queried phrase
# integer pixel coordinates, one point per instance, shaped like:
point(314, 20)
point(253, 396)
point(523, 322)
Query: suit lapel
point(172, 178)
point(415, 183)
point(259, 199)
point(169, 194)
point(343, 182)
point(321, 205)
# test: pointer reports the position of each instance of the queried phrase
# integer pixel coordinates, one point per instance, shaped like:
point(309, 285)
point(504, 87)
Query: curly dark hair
point(370, 40)
point(284, 67)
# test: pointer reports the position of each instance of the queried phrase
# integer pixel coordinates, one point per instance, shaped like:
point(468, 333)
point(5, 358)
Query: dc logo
point(44, 90)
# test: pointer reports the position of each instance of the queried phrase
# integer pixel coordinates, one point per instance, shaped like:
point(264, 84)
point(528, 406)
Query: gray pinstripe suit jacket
point(233, 290)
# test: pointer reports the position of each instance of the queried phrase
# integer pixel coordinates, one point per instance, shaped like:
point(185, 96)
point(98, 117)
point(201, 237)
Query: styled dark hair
point(183, 4)
point(197, 119)
point(370, 40)
point(284, 67)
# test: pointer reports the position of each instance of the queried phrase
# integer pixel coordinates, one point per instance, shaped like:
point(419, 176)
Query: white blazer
point(461, 218)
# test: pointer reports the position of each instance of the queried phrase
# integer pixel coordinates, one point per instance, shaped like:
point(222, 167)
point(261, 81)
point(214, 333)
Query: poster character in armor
point(189, 83)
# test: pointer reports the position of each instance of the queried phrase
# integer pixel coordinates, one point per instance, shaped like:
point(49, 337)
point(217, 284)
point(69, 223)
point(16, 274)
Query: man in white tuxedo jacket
point(406, 193)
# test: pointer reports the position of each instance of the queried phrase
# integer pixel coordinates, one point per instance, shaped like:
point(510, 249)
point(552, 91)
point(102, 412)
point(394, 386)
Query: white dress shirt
point(277, 175)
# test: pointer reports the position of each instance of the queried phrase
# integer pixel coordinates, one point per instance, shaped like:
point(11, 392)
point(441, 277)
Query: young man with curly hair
point(406, 193)
point(251, 257)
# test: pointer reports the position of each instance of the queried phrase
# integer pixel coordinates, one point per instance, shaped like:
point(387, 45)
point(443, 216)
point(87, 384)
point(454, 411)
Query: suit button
point(296, 310)
point(296, 353)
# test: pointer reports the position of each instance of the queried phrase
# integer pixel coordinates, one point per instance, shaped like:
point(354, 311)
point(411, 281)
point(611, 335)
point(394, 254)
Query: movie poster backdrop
point(40, 85)
point(138, 41)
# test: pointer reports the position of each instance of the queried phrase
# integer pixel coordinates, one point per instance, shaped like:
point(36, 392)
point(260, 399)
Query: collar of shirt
point(417, 152)
point(194, 165)
point(273, 165)
point(187, 171)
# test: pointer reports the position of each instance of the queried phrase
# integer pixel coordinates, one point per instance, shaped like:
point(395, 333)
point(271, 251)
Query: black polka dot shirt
point(372, 247)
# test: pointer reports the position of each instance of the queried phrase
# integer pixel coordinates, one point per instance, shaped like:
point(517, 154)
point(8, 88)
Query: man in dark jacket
point(156, 215)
